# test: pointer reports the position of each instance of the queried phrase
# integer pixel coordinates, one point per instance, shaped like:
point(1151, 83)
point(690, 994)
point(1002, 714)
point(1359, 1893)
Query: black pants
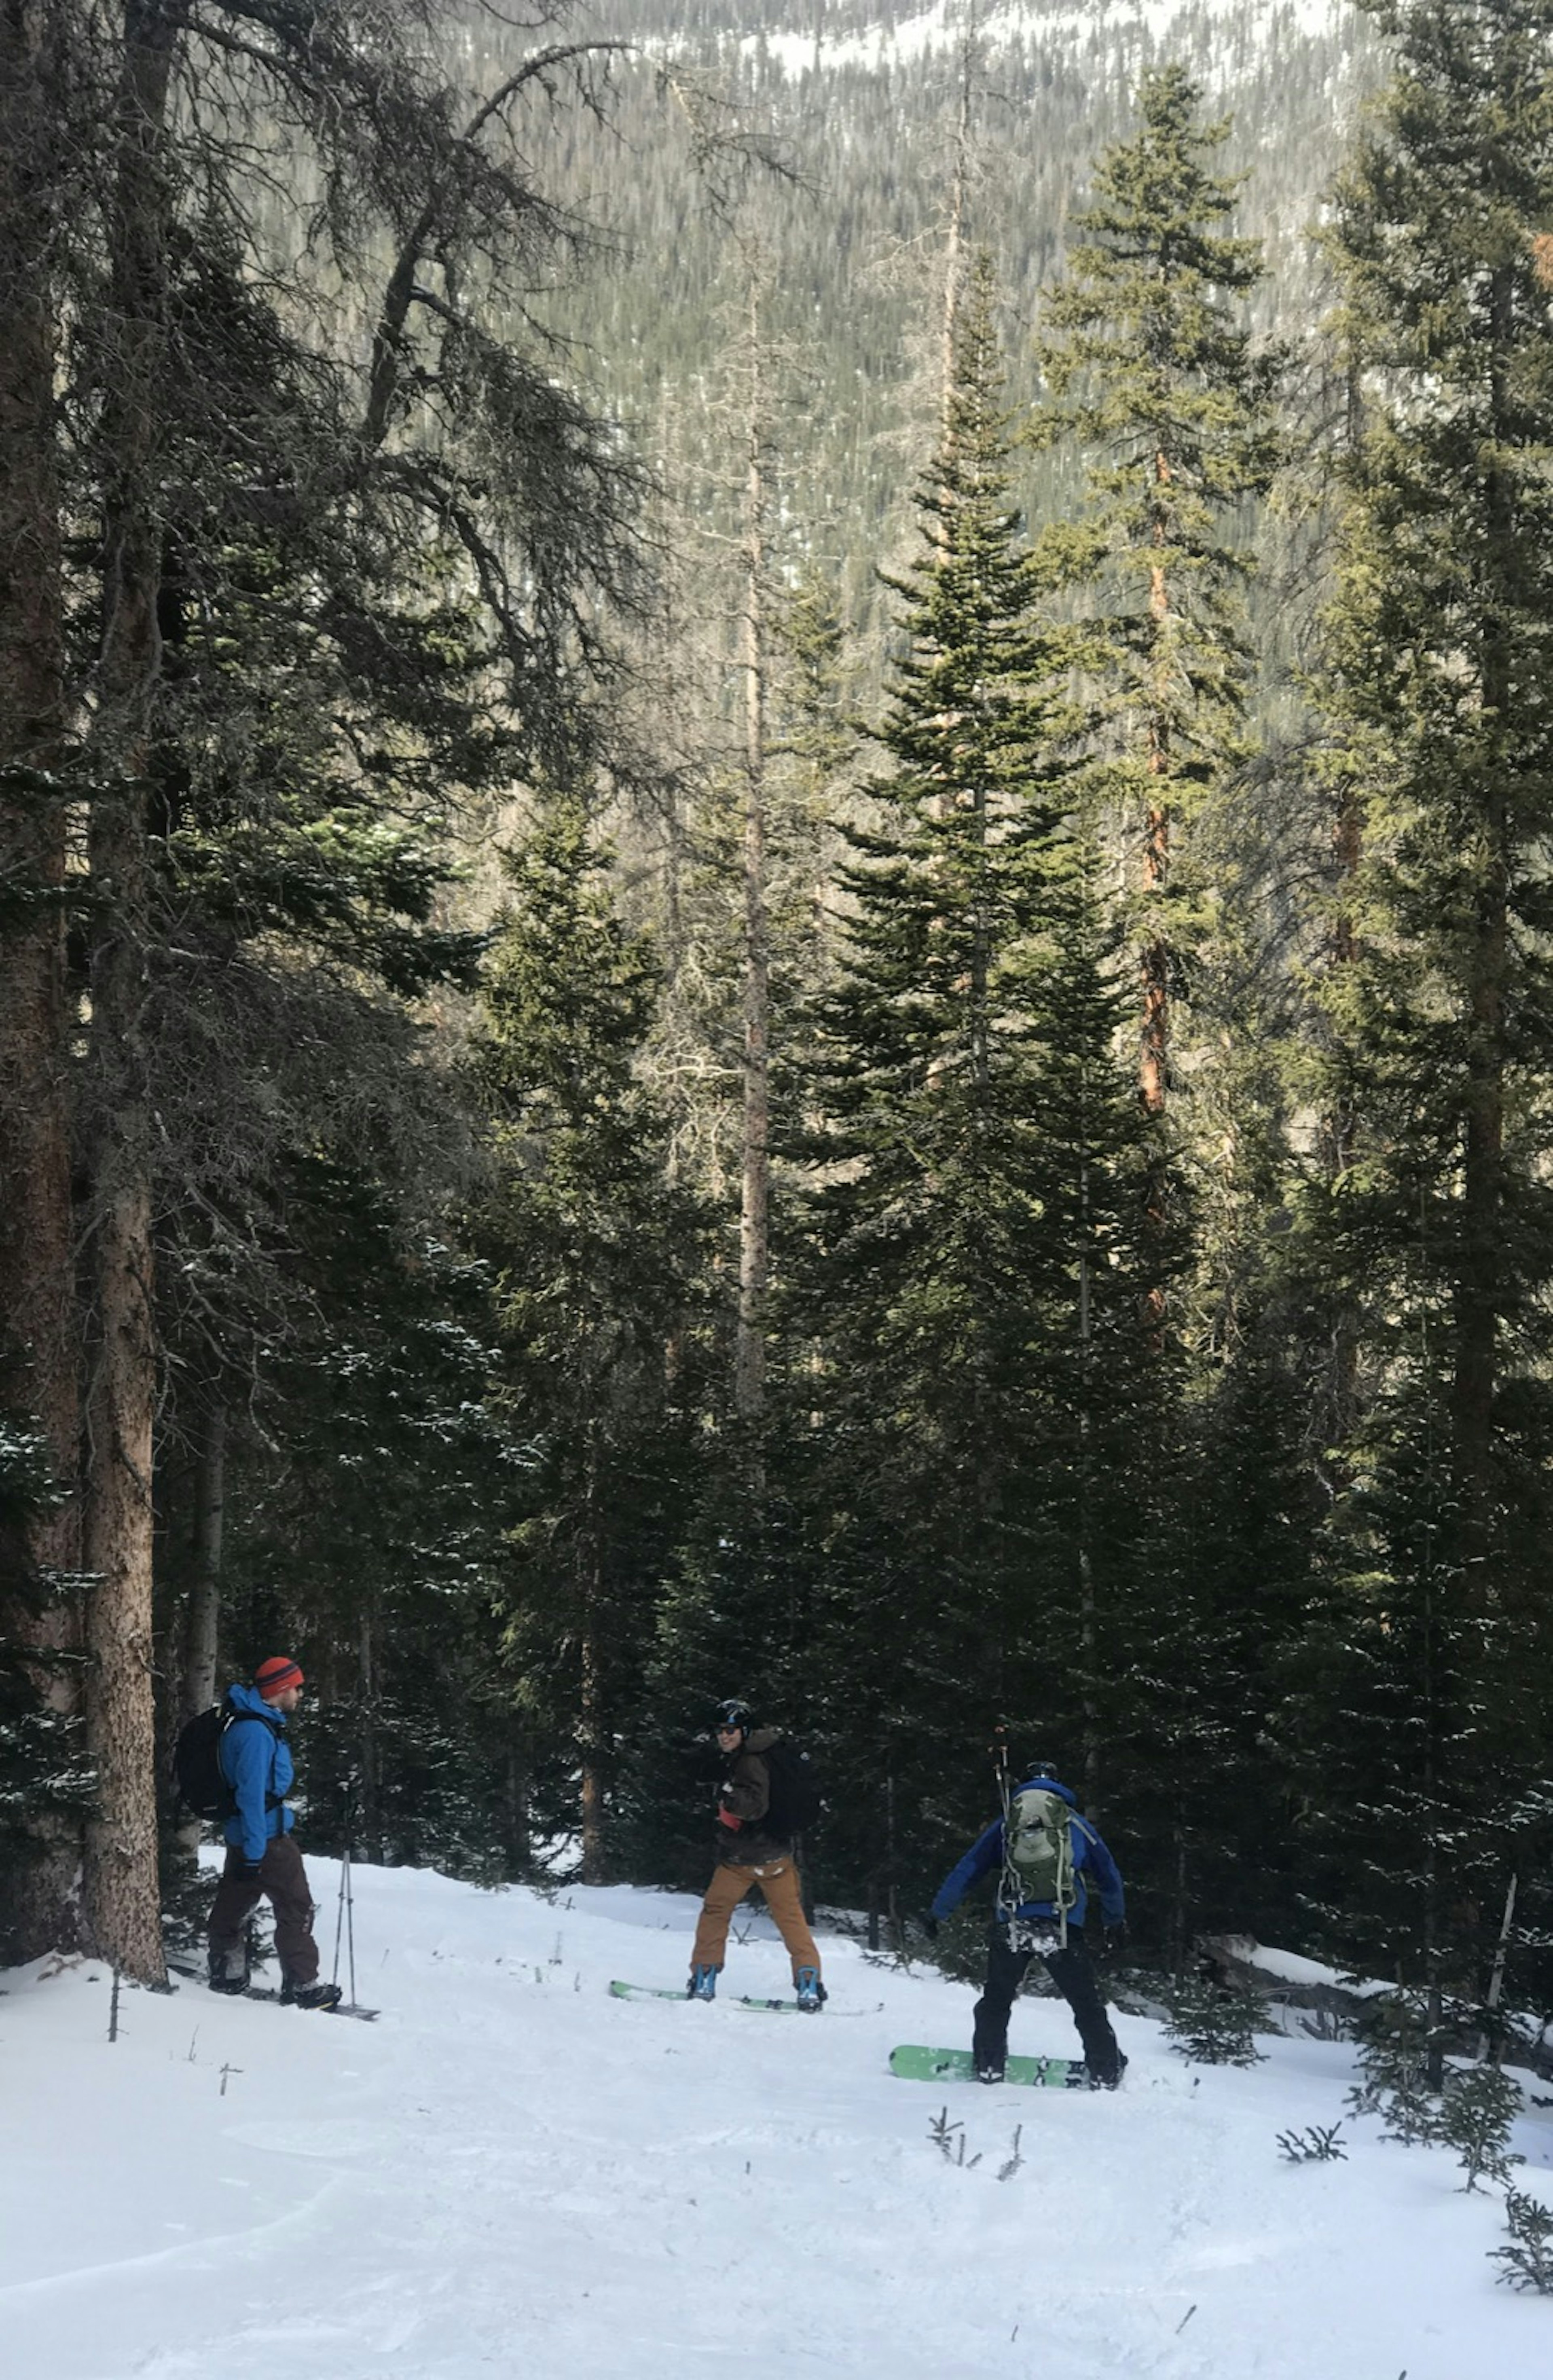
point(282, 1880)
point(1070, 1970)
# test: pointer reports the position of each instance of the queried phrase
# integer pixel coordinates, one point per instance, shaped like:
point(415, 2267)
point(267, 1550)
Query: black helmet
point(1042, 1768)
point(730, 1714)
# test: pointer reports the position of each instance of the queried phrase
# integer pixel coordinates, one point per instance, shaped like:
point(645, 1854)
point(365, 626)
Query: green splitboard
point(920, 2065)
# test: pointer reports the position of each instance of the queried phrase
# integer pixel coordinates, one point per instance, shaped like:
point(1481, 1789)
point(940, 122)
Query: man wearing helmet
point(753, 1847)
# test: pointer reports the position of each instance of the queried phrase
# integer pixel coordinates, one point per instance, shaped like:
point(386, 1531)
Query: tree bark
point(39, 1374)
point(122, 1882)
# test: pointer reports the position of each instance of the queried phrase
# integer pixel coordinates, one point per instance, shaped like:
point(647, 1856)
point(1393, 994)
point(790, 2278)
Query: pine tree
point(237, 448)
point(1436, 1230)
point(597, 1260)
point(1153, 384)
point(1148, 363)
point(971, 1293)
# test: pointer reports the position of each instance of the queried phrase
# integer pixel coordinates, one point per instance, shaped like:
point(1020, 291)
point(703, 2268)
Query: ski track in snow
point(511, 2173)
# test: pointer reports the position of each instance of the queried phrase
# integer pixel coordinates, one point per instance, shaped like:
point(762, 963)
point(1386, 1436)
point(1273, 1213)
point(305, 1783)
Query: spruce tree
point(1149, 365)
point(1428, 1662)
point(1154, 387)
point(972, 1292)
point(599, 1272)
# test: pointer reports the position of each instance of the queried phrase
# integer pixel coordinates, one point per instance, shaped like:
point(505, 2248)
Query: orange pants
point(778, 1879)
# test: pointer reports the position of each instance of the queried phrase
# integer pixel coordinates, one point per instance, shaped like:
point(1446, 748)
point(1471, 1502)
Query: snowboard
point(265, 1992)
point(920, 2065)
point(732, 2000)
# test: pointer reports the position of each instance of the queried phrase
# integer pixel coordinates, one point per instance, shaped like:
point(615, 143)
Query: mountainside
point(865, 101)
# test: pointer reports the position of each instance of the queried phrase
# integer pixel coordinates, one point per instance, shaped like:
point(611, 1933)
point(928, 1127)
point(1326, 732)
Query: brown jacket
point(746, 1793)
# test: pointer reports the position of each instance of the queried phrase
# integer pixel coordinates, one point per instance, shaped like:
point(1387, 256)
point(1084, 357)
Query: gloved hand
point(247, 1870)
point(1114, 1938)
point(726, 1818)
point(929, 1924)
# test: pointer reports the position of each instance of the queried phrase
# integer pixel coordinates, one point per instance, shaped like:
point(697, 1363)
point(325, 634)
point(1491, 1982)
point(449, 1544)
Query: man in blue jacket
point(1045, 1855)
point(261, 1860)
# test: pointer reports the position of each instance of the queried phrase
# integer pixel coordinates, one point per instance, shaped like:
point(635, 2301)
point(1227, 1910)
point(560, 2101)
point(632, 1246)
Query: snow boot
point(990, 2072)
point(311, 1995)
point(1110, 2081)
point(810, 1990)
point(233, 1984)
point(702, 1984)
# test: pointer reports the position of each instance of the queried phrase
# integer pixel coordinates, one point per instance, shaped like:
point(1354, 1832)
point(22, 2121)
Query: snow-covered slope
point(513, 2174)
point(908, 32)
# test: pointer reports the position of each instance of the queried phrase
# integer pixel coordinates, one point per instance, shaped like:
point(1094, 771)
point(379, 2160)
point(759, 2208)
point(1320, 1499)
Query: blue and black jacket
point(256, 1762)
point(1092, 1864)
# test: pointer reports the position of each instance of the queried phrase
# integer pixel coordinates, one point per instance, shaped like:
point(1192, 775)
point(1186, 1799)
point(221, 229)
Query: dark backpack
point(197, 1773)
point(796, 1798)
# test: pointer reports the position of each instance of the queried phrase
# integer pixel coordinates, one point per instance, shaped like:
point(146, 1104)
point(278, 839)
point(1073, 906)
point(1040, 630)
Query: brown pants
point(778, 1879)
point(282, 1881)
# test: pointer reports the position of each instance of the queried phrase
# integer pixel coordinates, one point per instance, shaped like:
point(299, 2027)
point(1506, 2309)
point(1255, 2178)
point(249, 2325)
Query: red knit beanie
point(274, 1676)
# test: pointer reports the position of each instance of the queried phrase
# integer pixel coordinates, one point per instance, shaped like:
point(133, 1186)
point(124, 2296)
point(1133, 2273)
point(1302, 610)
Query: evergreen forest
point(776, 918)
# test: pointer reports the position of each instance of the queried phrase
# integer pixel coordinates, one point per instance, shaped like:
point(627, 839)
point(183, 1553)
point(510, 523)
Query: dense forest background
point(774, 907)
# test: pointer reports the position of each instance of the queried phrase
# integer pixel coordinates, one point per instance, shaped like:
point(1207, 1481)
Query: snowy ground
point(511, 2173)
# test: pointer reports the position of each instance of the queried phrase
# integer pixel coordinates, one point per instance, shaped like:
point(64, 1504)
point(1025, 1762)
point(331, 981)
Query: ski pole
point(350, 1924)
point(340, 1905)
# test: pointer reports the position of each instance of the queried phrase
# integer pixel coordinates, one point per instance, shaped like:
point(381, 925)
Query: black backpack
point(199, 1783)
point(796, 1797)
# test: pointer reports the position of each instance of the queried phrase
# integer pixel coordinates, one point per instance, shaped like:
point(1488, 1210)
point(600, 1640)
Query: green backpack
point(1039, 1846)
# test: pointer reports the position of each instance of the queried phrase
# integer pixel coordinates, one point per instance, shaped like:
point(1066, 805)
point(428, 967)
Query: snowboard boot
point(810, 1990)
point(236, 1985)
point(989, 2070)
point(1111, 2081)
point(226, 1975)
point(702, 1984)
point(311, 1995)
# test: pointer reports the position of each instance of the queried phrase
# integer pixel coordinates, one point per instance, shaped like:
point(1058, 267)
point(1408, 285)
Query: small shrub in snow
point(1477, 2107)
point(951, 2140)
point(1214, 2024)
point(1394, 2070)
point(1528, 2260)
point(1317, 2144)
point(1011, 2164)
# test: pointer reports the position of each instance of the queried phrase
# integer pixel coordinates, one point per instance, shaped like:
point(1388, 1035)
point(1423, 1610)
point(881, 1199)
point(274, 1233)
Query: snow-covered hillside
point(513, 2174)
point(908, 32)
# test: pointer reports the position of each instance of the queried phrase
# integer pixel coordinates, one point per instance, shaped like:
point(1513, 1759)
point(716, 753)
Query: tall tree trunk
point(1154, 1067)
point(370, 1831)
point(955, 240)
point(1337, 1130)
point(749, 1362)
point(591, 1714)
point(40, 1375)
point(1154, 1050)
point(201, 1629)
point(1089, 1620)
point(122, 1885)
point(1478, 1290)
point(203, 1617)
